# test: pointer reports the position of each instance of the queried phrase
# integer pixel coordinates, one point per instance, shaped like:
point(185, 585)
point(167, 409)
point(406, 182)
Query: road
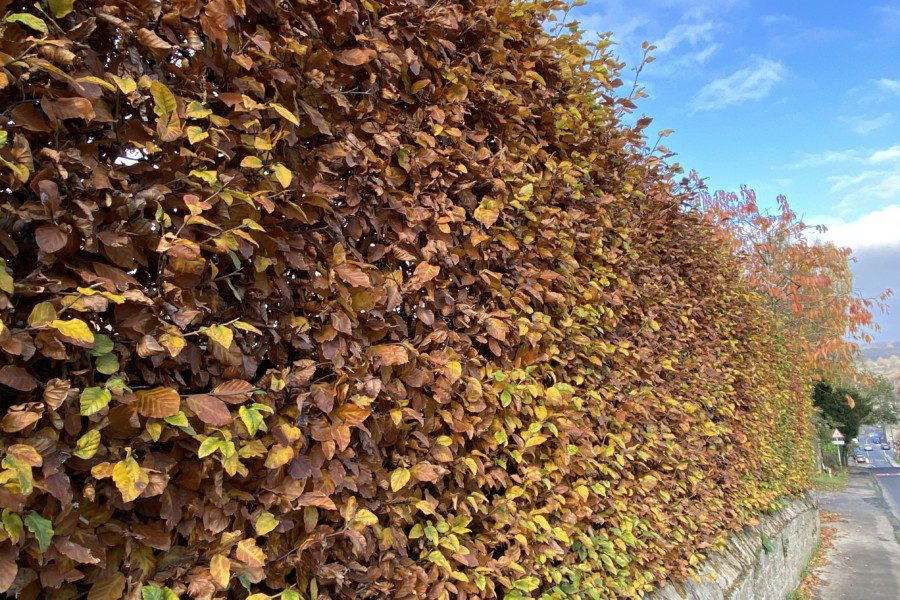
point(887, 475)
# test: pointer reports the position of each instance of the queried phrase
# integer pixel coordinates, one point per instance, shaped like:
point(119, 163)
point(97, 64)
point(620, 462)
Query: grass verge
point(833, 482)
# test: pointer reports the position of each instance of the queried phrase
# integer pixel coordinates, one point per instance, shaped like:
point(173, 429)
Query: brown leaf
point(158, 402)
point(8, 566)
point(210, 410)
point(158, 47)
point(355, 56)
point(353, 275)
point(424, 273)
point(68, 108)
point(390, 354)
point(55, 392)
point(17, 420)
point(17, 378)
point(317, 499)
point(233, 391)
point(108, 588)
point(78, 553)
point(50, 239)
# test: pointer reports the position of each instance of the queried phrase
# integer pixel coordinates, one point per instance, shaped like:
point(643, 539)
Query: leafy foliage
point(842, 408)
point(362, 300)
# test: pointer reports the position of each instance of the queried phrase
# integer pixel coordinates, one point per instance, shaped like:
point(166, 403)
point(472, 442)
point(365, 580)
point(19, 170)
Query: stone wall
point(749, 569)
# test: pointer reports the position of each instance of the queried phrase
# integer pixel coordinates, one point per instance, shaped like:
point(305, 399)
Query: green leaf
point(3, 137)
point(290, 595)
point(440, 560)
point(252, 419)
point(108, 364)
point(41, 528)
point(93, 399)
point(102, 345)
point(60, 8)
point(152, 592)
point(163, 99)
point(28, 20)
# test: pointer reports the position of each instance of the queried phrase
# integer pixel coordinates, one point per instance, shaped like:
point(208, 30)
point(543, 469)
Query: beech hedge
point(361, 299)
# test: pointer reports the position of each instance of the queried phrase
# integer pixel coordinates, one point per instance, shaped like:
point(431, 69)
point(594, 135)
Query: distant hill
point(874, 352)
point(884, 359)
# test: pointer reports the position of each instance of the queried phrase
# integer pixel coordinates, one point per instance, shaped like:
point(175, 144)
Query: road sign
point(838, 442)
point(837, 435)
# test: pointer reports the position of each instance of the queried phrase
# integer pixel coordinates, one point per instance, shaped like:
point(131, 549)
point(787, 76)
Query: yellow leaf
point(265, 523)
point(75, 329)
point(173, 342)
point(282, 174)
point(196, 134)
point(96, 80)
point(126, 84)
point(87, 445)
point(251, 162)
point(43, 313)
point(220, 568)
point(163, 98)
point(279, 456)
point(285, 114)
point(246, 327)
point(154, 430)
point(220, 334)
point(399, 478)
point(130, 478)
point(249, 553)
point(365, 516)
point(535, 440)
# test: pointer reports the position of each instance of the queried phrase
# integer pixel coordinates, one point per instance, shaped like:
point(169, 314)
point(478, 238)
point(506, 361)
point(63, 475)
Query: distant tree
point(842, 408)
point(884, 401)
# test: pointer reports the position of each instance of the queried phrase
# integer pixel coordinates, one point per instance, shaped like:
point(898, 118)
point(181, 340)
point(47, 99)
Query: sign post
point(837, 438)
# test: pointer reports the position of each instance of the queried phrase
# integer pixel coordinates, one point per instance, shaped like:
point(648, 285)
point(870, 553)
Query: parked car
point(857, 452)
point(860, 459)
point(885, 446)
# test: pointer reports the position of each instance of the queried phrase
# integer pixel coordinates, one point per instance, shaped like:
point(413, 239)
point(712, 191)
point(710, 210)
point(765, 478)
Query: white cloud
point(877, 229)
point(754, 82)
point(863, 126)
point(882, 156)
point(826, 157)
point(891, 86)
point(694, 34)
point(777, 19)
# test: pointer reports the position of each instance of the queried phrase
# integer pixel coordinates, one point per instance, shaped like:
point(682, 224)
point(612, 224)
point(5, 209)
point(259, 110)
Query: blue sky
point(797, 98)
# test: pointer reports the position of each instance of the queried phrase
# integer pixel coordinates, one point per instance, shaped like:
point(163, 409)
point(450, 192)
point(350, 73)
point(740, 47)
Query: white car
point(868, 447)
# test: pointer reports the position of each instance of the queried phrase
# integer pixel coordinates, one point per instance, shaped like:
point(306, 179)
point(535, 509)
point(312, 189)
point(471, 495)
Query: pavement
point(864, 561)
